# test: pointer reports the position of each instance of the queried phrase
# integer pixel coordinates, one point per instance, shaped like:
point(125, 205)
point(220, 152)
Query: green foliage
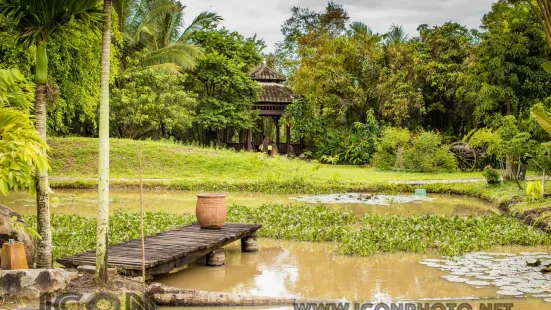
point(450, 236)
point(350, 147)
point(38, 21)
point(152, 103)
point(22, 228)
point(22, 151)
point(14, 90)
point(226, 92)
point(428, 154)
point(491, 175)
point(73, 234)
point(507, 77)
point(390, 148)
point(423, 151)
point(534, 190)
point(317, 223)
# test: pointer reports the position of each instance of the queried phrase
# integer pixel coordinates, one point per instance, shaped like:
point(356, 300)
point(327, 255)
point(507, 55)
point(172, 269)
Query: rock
point(8, 231)
point(533, 262)
point(31, 283)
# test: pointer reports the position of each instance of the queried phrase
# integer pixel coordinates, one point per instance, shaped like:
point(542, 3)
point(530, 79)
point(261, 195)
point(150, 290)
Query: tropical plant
point(153, 36)
point(34, 23)
point(355, 146)
point(22, 151)
point(396, 34)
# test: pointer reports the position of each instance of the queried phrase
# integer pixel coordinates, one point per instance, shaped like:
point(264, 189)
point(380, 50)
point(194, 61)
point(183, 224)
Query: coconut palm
point(34, 23)
point(360, 29)
point(153, 36)
point(103, 164)
point(397, 34)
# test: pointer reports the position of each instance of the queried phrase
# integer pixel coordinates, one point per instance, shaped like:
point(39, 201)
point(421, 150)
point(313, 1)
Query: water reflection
point(84, 202)
point(297, 269)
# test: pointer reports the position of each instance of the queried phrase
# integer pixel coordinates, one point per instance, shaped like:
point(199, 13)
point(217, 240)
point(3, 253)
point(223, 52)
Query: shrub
point(351, 146)
point(423, 152)
point(428, 154)
point(491, 175)
point(390, 148)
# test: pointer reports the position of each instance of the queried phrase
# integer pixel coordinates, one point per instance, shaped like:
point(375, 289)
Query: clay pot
point(211, 210)
point(13, 256)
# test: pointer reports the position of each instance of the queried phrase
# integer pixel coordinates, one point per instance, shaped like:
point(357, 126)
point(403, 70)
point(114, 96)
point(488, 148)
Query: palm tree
point(103, 171)
point(34, 23)
point(152, 34)
point(361, 30)
point(397, 34)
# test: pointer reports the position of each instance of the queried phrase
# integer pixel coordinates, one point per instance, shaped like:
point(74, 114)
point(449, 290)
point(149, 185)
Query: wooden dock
point(167, 250)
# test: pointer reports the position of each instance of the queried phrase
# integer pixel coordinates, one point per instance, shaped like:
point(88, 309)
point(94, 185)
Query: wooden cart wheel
point(466, 156)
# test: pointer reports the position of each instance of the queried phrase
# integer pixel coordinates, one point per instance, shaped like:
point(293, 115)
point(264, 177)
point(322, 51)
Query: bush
point(422, 152)
point(390, 148)
point(491, 175)
point(428, 154)
point(351, 146)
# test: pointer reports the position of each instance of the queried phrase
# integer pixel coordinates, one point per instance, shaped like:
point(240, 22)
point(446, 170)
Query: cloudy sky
point(264, 17)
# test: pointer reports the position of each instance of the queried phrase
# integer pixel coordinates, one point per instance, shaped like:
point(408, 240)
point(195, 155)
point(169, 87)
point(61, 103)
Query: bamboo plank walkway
point(167, 250)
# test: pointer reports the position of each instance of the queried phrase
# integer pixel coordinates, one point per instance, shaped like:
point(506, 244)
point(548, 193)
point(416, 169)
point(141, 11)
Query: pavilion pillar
point(248, 140)
point(276, 121)
point(288, 140)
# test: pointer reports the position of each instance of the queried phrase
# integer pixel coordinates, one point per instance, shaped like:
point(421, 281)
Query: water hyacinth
point(450, 236)
point(371, 234)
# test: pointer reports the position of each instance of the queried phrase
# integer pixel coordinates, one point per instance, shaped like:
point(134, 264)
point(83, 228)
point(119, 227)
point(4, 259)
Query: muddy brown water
point(315, 270)
point(84, 202)
point(299, 269)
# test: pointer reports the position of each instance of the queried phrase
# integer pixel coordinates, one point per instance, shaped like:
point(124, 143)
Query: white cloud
point(265, 17)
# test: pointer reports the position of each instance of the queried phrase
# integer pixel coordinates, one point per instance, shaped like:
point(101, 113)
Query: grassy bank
point(366, 235)
point(180, 167)
point(77, 158)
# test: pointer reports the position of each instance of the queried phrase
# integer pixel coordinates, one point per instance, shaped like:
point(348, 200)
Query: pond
point(84, 202)
point(314, 270)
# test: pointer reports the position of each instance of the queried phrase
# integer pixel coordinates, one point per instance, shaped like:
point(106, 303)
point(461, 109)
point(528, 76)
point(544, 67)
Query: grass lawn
point(77, 157)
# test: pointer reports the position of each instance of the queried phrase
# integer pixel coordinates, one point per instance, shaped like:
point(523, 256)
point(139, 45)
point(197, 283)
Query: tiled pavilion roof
point(265, 74)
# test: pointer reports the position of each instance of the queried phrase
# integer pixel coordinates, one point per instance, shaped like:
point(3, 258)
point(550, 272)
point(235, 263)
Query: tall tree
point(103, 165)
point(36, 22)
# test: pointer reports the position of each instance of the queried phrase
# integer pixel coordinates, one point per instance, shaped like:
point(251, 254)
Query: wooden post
point(216, 258)
point(249, 140)
point(288, 140)
point(276, 122)
point(249, 244)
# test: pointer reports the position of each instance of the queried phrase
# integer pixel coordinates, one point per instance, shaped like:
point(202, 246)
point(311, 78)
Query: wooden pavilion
point(275, 97)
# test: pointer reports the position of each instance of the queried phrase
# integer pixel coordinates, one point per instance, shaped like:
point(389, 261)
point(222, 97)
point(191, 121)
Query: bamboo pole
point(141, 217)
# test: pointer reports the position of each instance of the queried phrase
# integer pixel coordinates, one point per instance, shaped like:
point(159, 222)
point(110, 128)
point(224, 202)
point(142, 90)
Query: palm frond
point(36, 21)
point(360, 29)
point(397, 34)
point(202, 20)
point(183, 55)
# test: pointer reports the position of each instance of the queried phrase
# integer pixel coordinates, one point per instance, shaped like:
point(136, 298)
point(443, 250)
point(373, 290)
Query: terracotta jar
point(13, 256)
point(211, 210)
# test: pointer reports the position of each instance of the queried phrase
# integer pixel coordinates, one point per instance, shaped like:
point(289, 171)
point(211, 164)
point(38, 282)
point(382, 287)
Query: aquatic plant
point(374, 233)
point(449, 235)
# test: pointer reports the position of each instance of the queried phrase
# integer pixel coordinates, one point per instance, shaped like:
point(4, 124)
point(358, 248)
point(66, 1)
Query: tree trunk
point(176, 297)
point(44, 247)
point(509, 174)
point(103, 173)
